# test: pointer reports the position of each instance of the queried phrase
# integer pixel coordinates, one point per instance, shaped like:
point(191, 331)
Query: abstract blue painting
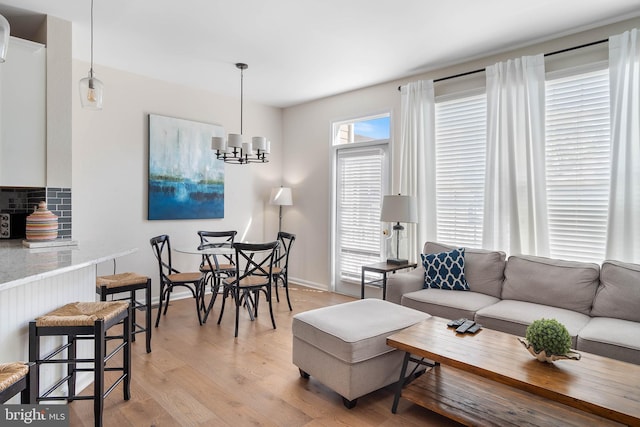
point(185, 179)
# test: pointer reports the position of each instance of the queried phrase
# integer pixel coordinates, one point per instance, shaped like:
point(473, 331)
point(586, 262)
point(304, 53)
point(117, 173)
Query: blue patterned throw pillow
point(445, 270)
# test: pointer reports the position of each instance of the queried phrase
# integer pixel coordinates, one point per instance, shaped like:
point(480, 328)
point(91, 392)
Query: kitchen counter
point(20, 265)
point(36, 281)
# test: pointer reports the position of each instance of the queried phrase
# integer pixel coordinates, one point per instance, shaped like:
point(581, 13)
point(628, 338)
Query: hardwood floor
point(203, 376)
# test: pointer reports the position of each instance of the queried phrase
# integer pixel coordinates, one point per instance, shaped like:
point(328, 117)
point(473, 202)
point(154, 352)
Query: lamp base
point(397, 261)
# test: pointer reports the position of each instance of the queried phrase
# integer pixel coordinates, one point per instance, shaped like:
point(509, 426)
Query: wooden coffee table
point(490, 379)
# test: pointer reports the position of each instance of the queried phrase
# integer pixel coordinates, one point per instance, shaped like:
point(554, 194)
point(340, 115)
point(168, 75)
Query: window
point(578, 164)
point(460, 164)
point(370, 129)
point(360, 190)
point(361, 179)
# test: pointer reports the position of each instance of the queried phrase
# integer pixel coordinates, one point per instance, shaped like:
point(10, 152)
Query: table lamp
point(399, 209)
point(281, 196)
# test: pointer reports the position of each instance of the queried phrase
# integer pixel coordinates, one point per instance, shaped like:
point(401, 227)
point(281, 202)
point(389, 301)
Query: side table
point(382, 268)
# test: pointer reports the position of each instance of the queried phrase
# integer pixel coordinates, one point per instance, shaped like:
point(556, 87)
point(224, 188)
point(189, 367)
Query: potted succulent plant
point(548, 340)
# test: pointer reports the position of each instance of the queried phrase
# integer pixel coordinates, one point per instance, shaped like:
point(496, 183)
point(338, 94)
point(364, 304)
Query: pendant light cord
point(241, 96)
point(91, 68)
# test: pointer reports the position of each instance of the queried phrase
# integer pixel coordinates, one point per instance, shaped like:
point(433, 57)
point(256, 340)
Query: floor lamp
point(281, 196)
point(399, 209)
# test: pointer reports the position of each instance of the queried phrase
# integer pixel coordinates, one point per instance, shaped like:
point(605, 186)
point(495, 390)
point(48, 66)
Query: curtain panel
point(515, 203)
point(418, 160)
point(623, 231)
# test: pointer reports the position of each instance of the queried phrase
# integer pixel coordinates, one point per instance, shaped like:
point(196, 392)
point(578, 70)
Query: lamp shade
point(5, 31)
point(91, 92)
point(281, 196)
point(399, 209)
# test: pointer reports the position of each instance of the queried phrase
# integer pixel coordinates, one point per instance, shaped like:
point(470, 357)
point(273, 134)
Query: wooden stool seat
point(14, 379)
point(221, 267)
point(120, 280)
point(11, 373)
point(83, 313)
point(129, 282)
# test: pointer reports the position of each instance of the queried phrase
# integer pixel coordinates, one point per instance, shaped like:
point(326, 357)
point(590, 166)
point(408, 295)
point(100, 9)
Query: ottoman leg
point(349, 404)
point(303, 374)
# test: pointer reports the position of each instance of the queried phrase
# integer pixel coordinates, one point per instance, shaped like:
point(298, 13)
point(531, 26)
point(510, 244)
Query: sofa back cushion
point(618, 295)
point(564, 284)
point(483, 269)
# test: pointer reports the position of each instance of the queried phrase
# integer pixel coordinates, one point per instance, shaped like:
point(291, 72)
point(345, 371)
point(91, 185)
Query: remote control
point(465, 326)
point(475, 328)
point(456, 323)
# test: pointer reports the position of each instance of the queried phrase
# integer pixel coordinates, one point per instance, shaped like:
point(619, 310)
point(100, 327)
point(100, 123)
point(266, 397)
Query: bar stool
point(129, 282)
point(14, 379)
point(83, 321)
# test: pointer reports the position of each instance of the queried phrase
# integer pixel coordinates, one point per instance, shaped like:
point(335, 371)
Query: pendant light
point(91, 89)
point(5, 31)
point(233, 149)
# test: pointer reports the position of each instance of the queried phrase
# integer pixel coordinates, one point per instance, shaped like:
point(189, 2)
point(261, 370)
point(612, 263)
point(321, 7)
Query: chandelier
point(233, 149)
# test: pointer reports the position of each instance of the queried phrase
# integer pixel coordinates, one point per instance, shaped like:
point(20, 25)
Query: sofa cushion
point(354, 331)
point(445, 270)
point(619, 339)
point(618, 295)
point(513, 317)
point(448, 304)
point(556, 283)
point(483, 269)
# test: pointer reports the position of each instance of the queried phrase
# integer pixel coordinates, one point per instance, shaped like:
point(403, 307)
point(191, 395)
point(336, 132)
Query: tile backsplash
point(15, 200)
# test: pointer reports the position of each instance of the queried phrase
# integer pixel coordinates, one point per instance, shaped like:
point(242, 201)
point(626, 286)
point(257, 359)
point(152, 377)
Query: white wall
point(110, 158)
point(308, 156)
point(110, 167)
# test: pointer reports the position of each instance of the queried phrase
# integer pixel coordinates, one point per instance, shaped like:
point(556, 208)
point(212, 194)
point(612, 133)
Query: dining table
point(209, 252)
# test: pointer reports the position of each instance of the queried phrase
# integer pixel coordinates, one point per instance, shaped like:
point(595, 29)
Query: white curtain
point(515, 203)
point(623, 233)
point(418, 160)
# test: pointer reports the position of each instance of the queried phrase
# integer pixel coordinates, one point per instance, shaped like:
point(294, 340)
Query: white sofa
point(599, 306)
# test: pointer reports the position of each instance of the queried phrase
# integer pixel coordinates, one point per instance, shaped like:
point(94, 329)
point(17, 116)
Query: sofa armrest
point(400, 283)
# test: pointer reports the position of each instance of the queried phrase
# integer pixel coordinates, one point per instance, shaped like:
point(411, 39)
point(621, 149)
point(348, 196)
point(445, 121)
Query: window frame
point(385, 145)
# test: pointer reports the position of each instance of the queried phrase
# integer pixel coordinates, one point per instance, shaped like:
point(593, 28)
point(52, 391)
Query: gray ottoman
point(344, 346)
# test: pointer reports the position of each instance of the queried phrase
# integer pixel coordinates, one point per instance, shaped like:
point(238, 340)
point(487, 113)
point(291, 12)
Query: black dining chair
point(216, 267)
point(253, 275)
point(281, 267)
point(170, 277)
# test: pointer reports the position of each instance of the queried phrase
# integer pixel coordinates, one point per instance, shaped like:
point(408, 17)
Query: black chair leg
point(214, 294)
point(197, 292)
point(160, 304)
point(28, 396)
point(34, 355)
point(127, 337)
point(273, 320)
point(98, 372)
point(275, 282)
point(225, 295)
point(71, 367)
point(167, 292)
point(286, 290)
point(148, 316)
point(132, 297)
point(237, 298)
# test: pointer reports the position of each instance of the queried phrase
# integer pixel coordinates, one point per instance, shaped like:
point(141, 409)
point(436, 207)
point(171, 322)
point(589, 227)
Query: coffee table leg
point(400, 383)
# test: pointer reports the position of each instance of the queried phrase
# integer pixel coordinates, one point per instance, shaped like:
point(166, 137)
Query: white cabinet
point(22, 115)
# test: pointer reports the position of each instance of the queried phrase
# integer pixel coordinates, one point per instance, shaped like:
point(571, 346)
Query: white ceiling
point(300, 50)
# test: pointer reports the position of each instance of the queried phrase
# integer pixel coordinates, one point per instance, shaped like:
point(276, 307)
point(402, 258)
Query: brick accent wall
point(58, 200)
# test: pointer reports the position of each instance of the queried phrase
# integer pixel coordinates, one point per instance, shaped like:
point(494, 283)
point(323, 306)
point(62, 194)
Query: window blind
point(460, 167)
point(360, 185)
point(578, 164)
